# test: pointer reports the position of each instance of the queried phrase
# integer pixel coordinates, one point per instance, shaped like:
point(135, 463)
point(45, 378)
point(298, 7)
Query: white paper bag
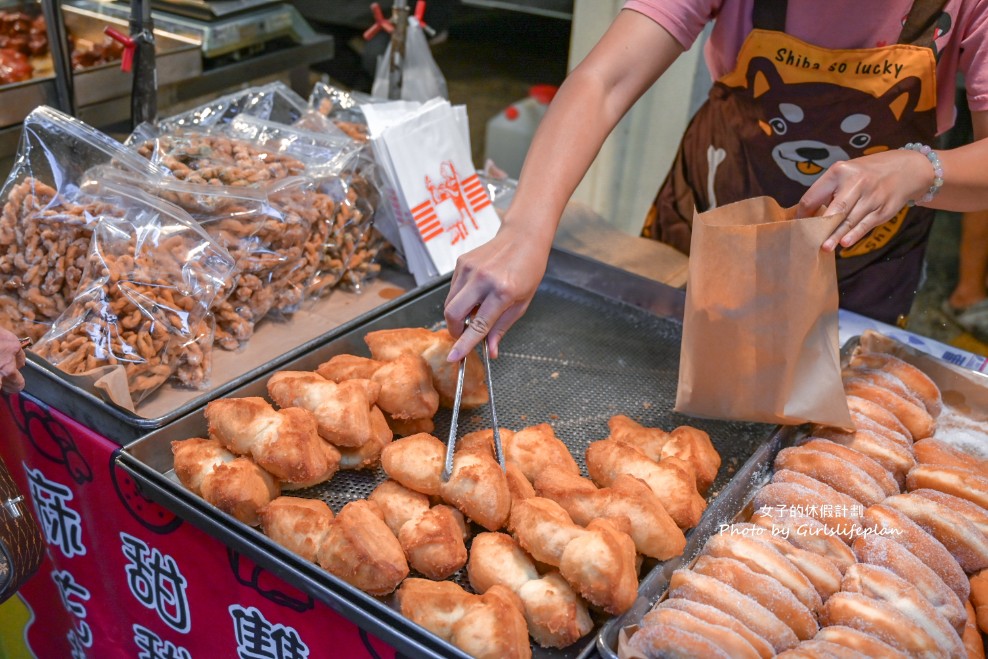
point(430, 162)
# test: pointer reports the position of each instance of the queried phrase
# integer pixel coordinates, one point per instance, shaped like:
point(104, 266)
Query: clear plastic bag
point(46, 223)
point(151, 275)
point(275, 102)
point(340, 107)
point(421, 79)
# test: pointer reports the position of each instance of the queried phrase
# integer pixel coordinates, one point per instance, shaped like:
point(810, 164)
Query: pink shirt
point(839, 24)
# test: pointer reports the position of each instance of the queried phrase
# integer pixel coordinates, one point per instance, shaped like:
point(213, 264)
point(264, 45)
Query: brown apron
point(788, 111)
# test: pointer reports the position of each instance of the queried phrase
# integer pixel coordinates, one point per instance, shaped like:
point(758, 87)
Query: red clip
point(380, 23)
point(419, 14)
point(127, 62)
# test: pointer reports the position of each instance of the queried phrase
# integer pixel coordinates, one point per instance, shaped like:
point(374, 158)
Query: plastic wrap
point(46, 222)
point(151, 276)
point(273, 102)
point(342, 108)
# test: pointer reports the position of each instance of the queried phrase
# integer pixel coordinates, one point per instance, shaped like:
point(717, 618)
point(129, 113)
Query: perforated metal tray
point(595, 342)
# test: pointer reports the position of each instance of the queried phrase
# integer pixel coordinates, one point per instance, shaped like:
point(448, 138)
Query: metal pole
point(399, 16)
point(144, 89)
point(58, 43)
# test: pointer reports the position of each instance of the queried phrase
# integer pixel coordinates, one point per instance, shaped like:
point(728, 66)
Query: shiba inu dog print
point(789, 110)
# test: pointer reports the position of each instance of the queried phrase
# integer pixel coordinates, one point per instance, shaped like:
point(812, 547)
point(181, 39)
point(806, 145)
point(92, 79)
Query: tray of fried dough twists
point(837, 543)
point(597, 353)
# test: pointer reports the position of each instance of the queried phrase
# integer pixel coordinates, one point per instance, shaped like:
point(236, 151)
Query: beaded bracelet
point(931, 155)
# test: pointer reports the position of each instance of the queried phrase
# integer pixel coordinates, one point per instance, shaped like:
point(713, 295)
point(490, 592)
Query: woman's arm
point(496, 282)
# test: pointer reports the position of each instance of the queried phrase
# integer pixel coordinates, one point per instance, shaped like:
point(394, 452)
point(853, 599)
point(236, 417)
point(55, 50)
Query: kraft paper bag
point(760, 336)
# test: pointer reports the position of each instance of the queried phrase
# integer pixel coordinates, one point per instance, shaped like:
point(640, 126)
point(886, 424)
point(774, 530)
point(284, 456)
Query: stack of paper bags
point(437, 206)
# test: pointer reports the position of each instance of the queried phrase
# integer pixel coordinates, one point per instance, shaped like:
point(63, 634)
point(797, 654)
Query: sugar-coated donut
point(877, 413)
point(912, 377)
point(932, 451)
point(880, 619)
point(880, 474)
point(668, 642)
point(971, 511)
point(725, 638)
point(883, 551)
point(763, 589)
point(864, 422)
point(897, 526)
point(959, 481)
point(972, 636)
point(843, 476)
point(911, 412)
point(883, 584)
point(818, 569)
point(717, 617)
point(979, 598)
point(819, 649)
point(961, 538)
point(896, 458)
point(742, 542)
point(805, 533)
point(836, 511)
point(865, 644)
point(697, 587)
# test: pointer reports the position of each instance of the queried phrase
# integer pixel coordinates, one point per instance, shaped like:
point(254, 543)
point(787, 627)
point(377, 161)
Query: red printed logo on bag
point(452, 207)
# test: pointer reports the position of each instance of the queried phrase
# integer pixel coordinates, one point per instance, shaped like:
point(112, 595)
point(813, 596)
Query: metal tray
point(595, 342)
point(962, 389)
point(177, 58)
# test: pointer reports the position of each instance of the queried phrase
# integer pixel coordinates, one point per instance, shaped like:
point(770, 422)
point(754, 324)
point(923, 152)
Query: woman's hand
point(12, 359)
point(495, 284)
point(870, 190)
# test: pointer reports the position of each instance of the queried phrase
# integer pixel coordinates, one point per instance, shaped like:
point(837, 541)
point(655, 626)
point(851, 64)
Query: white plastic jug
point(509, 132)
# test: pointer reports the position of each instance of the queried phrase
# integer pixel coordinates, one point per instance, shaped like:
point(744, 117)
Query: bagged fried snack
point(151, 275)
point(47, 221)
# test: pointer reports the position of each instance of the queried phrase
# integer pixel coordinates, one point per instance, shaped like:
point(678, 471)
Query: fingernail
point(453, 356)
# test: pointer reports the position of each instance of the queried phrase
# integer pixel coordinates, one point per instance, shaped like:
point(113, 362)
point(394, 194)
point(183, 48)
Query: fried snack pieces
point(406, 385)
point(477, 488)
point(432, 537)
point(689, 444)
point(346, 414)
point(300, 525)
point(555, 614)
point(284, 442)
point(488, 626)
point(671, 479)
point(598, 561)
point(355, 545)
point(628, 502)
point(433, 347)
point(235, 485)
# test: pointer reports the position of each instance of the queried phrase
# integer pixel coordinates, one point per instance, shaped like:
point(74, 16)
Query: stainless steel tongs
point(451, 443)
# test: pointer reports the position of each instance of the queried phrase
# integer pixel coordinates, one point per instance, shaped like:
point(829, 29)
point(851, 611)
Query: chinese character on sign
point(61, 524)
point(80, 636)
point(155, 581)
point(153, 647)
point(257, 638)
